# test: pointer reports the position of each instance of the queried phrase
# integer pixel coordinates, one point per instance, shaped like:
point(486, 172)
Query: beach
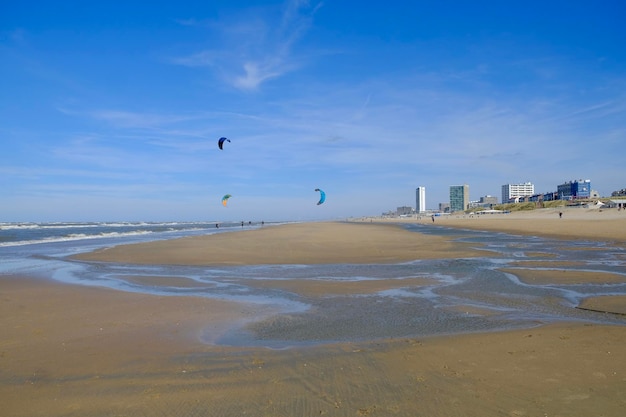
point(573, 222)
point(72, 350)
point(298, 243)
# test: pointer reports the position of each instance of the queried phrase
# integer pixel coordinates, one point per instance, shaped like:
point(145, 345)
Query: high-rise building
point(420, 199)
point(459, 197)
point(513, 191)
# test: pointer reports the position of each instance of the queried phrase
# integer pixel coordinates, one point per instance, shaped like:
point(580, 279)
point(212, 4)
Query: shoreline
point(384, 241)
point(381, 241)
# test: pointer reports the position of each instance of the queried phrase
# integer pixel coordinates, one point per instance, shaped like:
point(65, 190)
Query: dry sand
point(302, 243)
point(578, 223)
point(84, 351)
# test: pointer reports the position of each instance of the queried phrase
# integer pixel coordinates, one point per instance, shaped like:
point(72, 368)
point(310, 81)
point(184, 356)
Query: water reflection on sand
point(522, 281)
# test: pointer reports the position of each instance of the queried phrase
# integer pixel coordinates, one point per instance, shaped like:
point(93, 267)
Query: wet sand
point(83, 351)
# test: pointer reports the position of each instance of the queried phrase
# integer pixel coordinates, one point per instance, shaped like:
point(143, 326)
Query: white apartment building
point(420, 199)
point(511, 192)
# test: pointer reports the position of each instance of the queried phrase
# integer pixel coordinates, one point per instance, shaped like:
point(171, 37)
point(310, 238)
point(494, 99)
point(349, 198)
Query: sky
point(112, 110)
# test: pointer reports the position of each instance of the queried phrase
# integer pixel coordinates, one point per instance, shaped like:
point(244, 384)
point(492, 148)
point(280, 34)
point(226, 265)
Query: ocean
point(462, 295)
point(21, 234)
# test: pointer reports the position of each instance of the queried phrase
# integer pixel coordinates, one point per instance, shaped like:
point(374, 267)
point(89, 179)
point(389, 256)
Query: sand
point(579, 223)
point(301, 243)
point(83, 351)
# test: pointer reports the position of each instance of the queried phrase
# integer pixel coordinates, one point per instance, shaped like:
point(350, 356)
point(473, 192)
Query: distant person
point(560, 214)
point(217, 226)
point(433, 217)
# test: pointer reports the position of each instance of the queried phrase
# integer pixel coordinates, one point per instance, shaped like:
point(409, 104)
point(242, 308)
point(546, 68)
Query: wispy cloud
point(254, 48)
point(129, 119)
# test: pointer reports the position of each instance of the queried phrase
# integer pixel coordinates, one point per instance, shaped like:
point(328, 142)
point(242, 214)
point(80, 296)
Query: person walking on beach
point(433, 217)
point(560, 214)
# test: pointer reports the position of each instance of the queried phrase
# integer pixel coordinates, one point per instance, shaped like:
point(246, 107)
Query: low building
point(619, 193)
point(485, 202)
point(404, 211)
point(550, 196)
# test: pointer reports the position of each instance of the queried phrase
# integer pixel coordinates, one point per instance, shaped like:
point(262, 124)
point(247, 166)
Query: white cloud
point(256, 74)
point(251, 50)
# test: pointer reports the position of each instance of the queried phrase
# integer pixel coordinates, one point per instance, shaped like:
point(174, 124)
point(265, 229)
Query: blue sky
point(113, 111)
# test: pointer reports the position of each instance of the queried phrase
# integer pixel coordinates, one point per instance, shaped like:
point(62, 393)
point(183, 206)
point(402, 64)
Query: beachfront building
point(619, 193)
point(404, 211)
point(541, 197)
point(511, 193)
point(573, 190)
point(420, 199)
point(487, 201)
point(459, 197)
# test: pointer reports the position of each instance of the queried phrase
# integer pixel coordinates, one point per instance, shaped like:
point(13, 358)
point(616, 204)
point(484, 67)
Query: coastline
point(75, 350)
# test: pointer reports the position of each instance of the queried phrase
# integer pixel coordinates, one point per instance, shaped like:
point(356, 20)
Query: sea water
point(460, 295)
